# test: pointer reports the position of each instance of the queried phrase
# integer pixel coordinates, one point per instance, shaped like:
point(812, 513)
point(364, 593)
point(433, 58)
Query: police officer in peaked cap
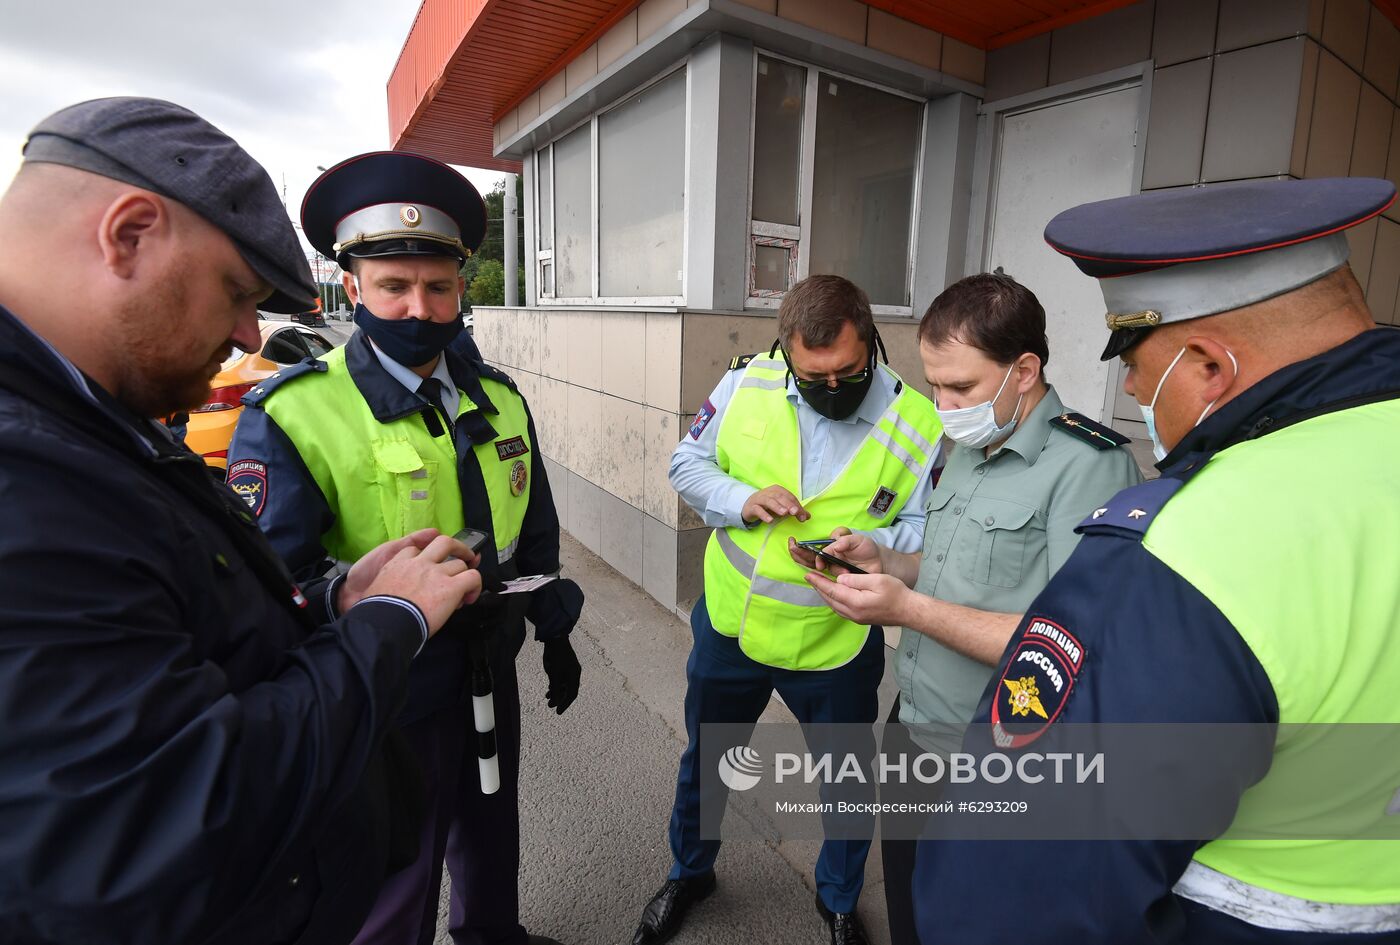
point(396, 432)
point(1253, 583)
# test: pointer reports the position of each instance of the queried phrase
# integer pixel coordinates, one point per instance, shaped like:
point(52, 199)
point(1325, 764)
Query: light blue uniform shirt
point(450, 397)
point(827, 447)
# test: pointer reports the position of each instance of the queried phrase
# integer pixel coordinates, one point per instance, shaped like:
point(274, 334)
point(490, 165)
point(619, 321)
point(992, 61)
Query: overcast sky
point(297, 83)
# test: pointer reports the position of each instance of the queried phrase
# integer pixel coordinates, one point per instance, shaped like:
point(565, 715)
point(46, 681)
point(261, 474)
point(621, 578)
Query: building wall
point(848, 20)
point(604, 388)
point(1240, 89)
point(1246, 89)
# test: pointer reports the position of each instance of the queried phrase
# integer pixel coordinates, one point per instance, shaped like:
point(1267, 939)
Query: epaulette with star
point(264, 388)
point(495, 374)
point(1092, 432)
point(1131, 512)
point(740, 361)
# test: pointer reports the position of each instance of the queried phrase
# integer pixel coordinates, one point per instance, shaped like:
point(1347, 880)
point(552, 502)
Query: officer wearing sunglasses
point(813, 443)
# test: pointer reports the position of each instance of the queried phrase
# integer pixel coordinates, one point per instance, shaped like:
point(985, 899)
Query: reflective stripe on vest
point(386, 480)
point(1271, 910)
point(1303, 565)
point(753, 588)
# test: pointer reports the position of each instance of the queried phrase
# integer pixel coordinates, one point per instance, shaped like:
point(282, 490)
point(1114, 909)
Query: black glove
point(563, 670)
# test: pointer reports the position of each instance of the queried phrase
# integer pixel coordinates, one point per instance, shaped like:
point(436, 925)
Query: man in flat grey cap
point(195, 748)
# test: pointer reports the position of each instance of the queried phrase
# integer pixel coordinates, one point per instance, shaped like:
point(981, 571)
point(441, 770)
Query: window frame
point(308, 334)
point(546, 257)
point(764, 233)
point(282, 335)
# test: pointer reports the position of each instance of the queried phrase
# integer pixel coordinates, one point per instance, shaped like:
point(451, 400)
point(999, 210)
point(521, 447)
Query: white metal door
point(1051, 157)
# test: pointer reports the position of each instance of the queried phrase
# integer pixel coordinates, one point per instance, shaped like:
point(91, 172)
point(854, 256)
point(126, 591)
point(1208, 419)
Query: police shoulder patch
point(740, 361)
point(264, 388)
point(1097, 435)
point(1036, 683)
point(248, 478)
point(703, 416)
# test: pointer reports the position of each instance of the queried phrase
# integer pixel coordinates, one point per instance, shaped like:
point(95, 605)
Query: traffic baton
point(484, 715)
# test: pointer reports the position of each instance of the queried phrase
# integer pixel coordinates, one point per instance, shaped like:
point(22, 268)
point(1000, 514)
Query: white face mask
point(976, 426)
point(1159, 452)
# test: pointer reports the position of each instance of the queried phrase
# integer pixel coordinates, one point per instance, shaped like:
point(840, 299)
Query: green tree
point(470, 269)
point(489, 286)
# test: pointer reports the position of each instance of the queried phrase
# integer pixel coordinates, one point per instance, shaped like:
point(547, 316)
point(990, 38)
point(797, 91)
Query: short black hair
point(991, 312)
point(818, 308)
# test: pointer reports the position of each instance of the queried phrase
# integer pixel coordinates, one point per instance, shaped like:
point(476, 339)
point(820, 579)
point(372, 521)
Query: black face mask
point(845, 398)
point(409, 341)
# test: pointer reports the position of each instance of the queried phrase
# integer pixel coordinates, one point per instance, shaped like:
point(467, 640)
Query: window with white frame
point(572, 158)
point(611, 198)
point(544, 173)
point(833, 184)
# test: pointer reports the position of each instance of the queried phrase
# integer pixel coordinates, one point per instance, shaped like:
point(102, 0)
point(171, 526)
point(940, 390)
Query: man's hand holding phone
point(435, 572)
point(843, 553)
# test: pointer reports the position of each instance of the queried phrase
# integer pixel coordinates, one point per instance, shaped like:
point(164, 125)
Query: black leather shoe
point(662, 917)
point(845, 926)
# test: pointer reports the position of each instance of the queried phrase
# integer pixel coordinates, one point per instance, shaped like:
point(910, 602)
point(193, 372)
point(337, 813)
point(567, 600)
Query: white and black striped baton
point(484, 715)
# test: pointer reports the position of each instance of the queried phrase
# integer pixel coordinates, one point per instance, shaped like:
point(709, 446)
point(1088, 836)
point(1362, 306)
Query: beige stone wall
point(1242, 90)
point(604, 388)
point(848, 20)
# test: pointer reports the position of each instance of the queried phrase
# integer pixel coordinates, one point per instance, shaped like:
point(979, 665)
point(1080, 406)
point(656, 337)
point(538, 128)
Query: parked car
point(314, 319)
point(211, 426)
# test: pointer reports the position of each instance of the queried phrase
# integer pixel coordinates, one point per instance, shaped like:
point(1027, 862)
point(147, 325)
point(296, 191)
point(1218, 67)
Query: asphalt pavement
point(597, 784)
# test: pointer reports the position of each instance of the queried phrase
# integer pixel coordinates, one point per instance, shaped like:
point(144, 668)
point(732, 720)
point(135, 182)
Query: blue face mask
point(409, 341)
point(1159, 452)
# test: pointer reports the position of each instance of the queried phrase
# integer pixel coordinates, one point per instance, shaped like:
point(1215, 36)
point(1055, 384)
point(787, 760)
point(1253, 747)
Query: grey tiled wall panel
point(1344, 24)
point(1333, 130)
point(1253, 106)
point(659, 560)
point(622, 537)
point(1382, 53)
point(1184, 29)
point(1020, 67)
point(1250, 22)
point(1119, 38)
point(1176, 130)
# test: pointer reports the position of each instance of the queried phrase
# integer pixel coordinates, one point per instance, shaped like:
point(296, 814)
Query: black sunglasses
point(860, 377)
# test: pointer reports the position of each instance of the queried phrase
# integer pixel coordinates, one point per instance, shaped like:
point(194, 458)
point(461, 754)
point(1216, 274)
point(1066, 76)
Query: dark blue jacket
point(295, 514)
point(1154, 650)
point(189, 750)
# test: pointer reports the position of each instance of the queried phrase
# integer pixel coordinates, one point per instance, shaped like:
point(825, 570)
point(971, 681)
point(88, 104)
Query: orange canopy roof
point(466, 63)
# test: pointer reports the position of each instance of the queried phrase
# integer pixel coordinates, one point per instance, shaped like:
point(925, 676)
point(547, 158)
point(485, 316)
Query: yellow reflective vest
point(753, 588)
point(1325, 635)
point(386, 480)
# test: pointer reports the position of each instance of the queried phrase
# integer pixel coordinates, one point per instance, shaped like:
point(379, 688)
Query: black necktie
point(431, 391)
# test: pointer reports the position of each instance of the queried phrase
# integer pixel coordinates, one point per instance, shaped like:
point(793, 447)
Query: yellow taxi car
point(211, 427)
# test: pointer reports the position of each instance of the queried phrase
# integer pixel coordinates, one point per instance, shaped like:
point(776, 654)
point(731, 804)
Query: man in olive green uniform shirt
point(998, 526)
point(1022, 472)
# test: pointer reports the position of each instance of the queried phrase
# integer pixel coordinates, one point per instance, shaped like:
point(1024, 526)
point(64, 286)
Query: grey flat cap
point(170, 150)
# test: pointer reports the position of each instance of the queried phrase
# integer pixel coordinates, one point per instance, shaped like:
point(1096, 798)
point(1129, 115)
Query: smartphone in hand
point(832, 559)
point(815, 544)
point(473, 538)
